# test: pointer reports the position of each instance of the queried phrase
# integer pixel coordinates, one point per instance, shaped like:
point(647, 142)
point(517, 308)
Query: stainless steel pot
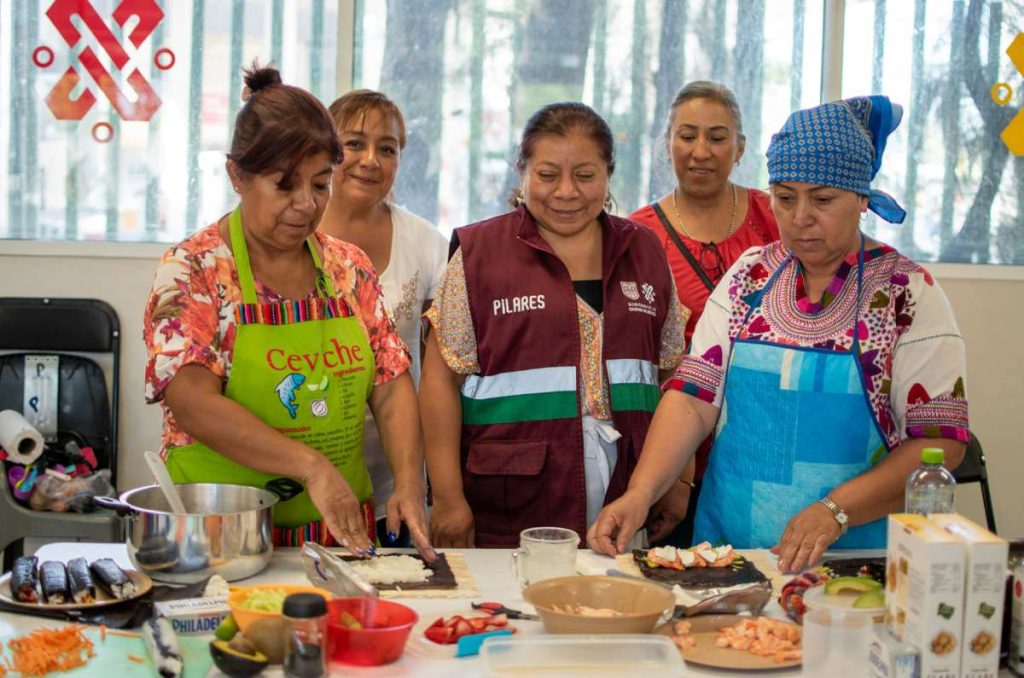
point(227, 530)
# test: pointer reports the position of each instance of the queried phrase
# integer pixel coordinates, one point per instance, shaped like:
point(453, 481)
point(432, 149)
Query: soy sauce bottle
point(305, 643)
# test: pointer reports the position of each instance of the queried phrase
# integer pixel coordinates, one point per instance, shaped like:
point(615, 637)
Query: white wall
point(987, 310)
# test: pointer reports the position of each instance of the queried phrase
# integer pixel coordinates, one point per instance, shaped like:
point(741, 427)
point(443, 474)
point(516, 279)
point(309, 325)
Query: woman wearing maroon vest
point(705, 224)
point(552, 323)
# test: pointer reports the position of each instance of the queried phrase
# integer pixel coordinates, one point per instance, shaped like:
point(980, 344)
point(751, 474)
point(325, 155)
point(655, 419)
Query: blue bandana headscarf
point(838, 144)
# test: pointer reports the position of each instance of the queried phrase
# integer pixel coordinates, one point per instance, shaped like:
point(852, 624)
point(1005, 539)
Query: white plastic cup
point(545, 553)
point(834, 641)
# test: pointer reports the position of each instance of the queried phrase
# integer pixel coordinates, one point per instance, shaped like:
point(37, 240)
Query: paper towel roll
point(22, 442)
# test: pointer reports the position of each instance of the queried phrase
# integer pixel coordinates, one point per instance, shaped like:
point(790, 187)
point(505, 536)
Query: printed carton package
point(984, 592)
point(925, 592)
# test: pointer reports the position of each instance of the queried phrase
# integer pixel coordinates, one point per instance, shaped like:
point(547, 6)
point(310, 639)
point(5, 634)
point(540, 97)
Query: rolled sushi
point(53, 577)
point(162, 645)
point(80, 581)
point(23, 580)
point(112, 578)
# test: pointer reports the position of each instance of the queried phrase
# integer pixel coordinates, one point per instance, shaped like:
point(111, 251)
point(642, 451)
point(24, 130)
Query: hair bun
point(258, 77)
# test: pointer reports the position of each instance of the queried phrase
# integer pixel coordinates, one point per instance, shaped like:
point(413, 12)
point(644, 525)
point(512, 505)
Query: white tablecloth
point(490, 568)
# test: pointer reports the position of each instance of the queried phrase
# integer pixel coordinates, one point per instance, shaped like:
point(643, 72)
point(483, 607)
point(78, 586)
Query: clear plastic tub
point(591, 655)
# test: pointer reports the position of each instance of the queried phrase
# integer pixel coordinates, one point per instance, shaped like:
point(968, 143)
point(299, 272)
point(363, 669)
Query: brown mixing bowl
point(642, 603)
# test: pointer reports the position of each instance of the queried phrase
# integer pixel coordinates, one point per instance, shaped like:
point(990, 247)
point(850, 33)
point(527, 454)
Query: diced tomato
point(437, 622)
point(499, 620)
point(454, 620)
point(479, 623)
point(463, 628)
point(442, 635)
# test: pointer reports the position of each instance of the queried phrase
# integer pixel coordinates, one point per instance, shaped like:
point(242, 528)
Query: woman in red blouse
point(704, 224)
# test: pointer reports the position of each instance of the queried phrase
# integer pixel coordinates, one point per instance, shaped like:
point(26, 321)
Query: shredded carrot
point(124, 634)
point(103, 632)
point(45, 650)
point(137, 660)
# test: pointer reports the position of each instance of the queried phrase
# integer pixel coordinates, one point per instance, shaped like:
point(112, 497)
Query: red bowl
point(386, 627)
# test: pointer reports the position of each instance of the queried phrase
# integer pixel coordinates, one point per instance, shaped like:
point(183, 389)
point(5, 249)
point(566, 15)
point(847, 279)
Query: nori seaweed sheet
point(442, 578)
point(700, 577)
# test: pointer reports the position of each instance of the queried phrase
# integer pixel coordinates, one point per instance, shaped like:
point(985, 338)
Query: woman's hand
point(407, 505)
point(806, 537)
point(668, 511)
point(617, 523)
point(338, 505)
point(451, 523)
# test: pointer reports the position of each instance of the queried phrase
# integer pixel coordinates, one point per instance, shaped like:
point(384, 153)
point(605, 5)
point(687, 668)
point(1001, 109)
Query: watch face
point(841, 518)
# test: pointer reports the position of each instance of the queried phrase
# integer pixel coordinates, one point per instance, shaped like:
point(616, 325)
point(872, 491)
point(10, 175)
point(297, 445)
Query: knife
point(328, 571)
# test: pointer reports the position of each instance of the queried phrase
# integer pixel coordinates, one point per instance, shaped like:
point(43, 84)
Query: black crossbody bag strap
point(687, 254)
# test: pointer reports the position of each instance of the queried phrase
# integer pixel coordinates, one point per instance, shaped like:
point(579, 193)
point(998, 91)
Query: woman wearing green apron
point(825, 363)
point(267, 341)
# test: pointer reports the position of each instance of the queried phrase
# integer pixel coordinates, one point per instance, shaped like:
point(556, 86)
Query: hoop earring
point(609, 202)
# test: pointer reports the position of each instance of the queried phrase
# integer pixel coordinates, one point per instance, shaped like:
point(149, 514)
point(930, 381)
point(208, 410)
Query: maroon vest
point(522, 434)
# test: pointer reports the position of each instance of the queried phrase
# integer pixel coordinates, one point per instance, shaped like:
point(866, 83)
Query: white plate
point(142, 586)
point(816, 599)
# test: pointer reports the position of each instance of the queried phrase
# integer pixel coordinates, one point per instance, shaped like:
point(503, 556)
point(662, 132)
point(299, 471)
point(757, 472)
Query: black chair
point(66, 328)
point(972, 470)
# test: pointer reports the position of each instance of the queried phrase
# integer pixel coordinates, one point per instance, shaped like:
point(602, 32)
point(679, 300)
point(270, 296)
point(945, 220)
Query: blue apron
point(795, 423)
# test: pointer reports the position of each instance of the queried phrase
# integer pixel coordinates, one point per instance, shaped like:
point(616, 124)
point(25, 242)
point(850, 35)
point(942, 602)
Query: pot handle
point(120, 507)
point(284, 488)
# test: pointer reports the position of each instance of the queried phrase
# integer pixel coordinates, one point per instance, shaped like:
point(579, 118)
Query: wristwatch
point(838, 513)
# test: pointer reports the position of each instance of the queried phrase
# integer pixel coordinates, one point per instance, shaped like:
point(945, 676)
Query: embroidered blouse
point(450, 317)
point(190, 314)
point(912, 355)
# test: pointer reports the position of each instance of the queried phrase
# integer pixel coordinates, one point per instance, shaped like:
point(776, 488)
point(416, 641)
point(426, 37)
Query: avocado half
point(853, 584)
point(874, 598)
point(235, 663)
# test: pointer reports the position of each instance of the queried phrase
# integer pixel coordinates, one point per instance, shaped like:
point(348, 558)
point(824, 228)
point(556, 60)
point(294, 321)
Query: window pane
point(946, 164)
point(467, 76)
point(144, 180)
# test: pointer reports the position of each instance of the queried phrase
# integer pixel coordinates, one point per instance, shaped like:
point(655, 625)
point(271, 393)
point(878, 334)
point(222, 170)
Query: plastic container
point(305, 640)
point(244, 617)
point(583, 655)
point(930, 488)
point(381, 640)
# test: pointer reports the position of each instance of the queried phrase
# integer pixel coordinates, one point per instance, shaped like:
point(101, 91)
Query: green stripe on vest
point(643, 397)
point(519, 408)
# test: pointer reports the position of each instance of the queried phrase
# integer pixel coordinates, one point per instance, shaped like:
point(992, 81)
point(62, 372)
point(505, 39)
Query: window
point(103, 177)
point(467, 76)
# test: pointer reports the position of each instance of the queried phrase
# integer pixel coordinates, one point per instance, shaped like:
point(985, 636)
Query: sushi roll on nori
point(53, 577)
point(163, 648)
point(80, 581)
point(23, 580)
point(112, 578)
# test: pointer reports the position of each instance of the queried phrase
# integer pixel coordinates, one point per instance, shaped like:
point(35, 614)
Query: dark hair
point(712, 91)
point(279, 126)
point(561, 120)
point(359, 102)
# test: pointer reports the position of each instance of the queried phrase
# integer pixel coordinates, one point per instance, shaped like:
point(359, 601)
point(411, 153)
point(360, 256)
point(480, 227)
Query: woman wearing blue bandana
point(825, 363)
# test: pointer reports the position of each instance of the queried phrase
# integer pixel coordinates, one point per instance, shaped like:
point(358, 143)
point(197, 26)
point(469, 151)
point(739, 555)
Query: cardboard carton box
point(925, 592)
point(984, 592)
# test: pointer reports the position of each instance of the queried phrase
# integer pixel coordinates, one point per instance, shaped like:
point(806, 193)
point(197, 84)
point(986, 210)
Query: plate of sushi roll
point(76, 584)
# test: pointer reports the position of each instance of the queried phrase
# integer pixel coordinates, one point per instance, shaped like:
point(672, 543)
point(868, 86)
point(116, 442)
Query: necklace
point(682, 226)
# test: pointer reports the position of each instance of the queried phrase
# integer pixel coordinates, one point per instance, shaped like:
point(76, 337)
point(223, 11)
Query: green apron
point(306, 369)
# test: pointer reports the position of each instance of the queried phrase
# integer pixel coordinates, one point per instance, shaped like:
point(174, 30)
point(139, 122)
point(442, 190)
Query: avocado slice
point(235, 663)
point(855, 584)
point(874, 598)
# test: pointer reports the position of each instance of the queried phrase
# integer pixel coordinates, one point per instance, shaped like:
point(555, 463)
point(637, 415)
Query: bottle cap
point(933, 455)
point(304, 606)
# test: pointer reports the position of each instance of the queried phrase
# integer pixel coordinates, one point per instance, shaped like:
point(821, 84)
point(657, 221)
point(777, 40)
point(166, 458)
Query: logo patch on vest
point(506, 305)
point(632, 291)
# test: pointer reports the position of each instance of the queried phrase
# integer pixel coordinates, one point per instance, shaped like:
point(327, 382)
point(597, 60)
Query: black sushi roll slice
point(80, 581)
point(23, 580)
point(112, 578)
point(54, 579)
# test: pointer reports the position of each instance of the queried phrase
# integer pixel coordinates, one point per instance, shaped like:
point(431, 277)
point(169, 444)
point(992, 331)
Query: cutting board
point(112, 656)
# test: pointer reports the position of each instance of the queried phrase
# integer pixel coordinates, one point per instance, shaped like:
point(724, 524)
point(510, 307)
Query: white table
point(490, 568)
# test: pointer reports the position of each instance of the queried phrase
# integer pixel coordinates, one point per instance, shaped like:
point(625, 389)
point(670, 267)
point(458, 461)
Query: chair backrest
point(48, 325)
point(972, 468)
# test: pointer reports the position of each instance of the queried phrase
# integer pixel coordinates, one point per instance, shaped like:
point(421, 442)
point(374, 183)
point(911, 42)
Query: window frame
point(830, 88)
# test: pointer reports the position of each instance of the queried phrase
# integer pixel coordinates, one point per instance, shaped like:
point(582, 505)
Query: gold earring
point(520, 198)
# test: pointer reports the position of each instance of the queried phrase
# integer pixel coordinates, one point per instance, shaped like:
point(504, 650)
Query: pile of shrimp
point(763, 637)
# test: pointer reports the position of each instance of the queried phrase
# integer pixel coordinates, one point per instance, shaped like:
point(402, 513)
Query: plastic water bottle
point(930, 488)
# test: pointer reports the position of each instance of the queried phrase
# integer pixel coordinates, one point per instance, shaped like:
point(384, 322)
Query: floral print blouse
point(912, 355)
point(450, 316)
point(190, 316)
